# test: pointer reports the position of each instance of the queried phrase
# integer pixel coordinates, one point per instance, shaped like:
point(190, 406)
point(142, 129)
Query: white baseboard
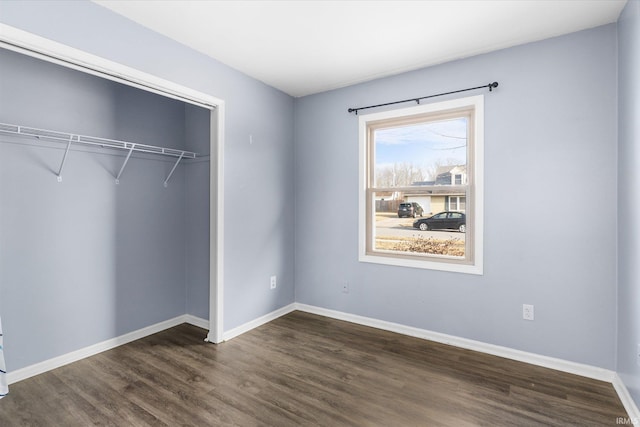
point(65, 359)
point(239, 330)
point(496, 350)
point(626, 399)
point(196, 321)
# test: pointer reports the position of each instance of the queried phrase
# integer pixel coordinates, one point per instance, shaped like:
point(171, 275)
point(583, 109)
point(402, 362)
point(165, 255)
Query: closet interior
point(108, 226)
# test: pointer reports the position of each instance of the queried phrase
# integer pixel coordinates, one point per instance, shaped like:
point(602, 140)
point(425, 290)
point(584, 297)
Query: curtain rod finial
point(492, 85)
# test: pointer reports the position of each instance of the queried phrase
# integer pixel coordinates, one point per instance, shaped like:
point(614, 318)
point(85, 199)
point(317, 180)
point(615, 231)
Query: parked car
point(412, 209)
point(443, 221)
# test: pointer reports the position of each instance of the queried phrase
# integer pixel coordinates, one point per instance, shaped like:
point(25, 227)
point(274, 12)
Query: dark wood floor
point(303, 369)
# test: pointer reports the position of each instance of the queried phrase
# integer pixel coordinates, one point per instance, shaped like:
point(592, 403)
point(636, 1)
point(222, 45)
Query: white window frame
point(474, 200)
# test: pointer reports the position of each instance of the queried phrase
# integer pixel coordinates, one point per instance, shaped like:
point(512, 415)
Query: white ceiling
point(306, 47)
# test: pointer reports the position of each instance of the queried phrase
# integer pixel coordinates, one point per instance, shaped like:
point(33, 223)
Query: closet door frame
point(20, 41)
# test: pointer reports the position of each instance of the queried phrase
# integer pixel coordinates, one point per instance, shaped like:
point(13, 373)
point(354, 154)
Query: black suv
point(410, 209)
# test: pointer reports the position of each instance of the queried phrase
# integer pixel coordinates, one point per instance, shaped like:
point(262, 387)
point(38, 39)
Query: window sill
point(425, 264)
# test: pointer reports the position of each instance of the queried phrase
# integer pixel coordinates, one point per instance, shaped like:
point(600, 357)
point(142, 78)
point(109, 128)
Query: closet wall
point(86, 260)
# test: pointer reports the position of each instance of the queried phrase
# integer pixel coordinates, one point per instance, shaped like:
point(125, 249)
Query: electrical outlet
point(273, 282)
point(345, 287)
point(527, 311)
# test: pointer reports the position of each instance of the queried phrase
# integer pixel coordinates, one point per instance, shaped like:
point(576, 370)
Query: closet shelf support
point(125, 163)
point(166, 181)
point(64, 158)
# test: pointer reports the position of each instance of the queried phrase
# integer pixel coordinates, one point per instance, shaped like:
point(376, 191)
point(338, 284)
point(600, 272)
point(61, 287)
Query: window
point(457, 203)
point(432, 155)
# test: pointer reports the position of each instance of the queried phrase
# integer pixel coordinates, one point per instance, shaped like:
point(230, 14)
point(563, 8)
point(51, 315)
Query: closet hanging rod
point(92, 140)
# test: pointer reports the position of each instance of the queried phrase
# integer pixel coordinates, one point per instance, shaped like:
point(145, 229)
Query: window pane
point(432, 153)
point(395, 230)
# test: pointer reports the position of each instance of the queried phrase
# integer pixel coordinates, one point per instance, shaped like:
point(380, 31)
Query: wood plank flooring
point(303, 369)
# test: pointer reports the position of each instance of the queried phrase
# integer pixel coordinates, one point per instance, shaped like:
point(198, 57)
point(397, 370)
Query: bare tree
point(399, 175)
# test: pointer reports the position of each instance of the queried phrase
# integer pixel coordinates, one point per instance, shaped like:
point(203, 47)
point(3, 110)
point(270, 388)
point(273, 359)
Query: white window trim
point(478, 181)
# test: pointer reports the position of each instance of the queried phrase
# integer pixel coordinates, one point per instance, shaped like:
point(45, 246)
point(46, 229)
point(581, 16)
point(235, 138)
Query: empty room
point(333, 213)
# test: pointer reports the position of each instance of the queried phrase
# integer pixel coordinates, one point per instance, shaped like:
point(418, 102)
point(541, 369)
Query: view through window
point(420, 170)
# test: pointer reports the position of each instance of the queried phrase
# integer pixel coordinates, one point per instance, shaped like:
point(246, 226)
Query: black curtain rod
point(417, 100)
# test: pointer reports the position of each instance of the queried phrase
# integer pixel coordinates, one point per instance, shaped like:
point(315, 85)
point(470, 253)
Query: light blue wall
point(629, 197)
point(258, 176)
point(550, 180)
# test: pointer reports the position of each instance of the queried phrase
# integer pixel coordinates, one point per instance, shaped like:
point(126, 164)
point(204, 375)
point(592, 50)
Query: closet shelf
point(70, 138)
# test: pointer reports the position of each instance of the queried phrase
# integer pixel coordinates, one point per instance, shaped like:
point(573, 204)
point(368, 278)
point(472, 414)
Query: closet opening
point(139, 218)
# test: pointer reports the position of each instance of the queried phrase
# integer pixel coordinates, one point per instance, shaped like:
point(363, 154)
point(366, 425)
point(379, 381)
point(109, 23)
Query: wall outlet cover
point(527, 312)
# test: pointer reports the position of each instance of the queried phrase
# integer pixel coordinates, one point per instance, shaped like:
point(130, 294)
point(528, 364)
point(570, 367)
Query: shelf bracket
point(166, 181)
point(64, 158)
point(125, 163)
